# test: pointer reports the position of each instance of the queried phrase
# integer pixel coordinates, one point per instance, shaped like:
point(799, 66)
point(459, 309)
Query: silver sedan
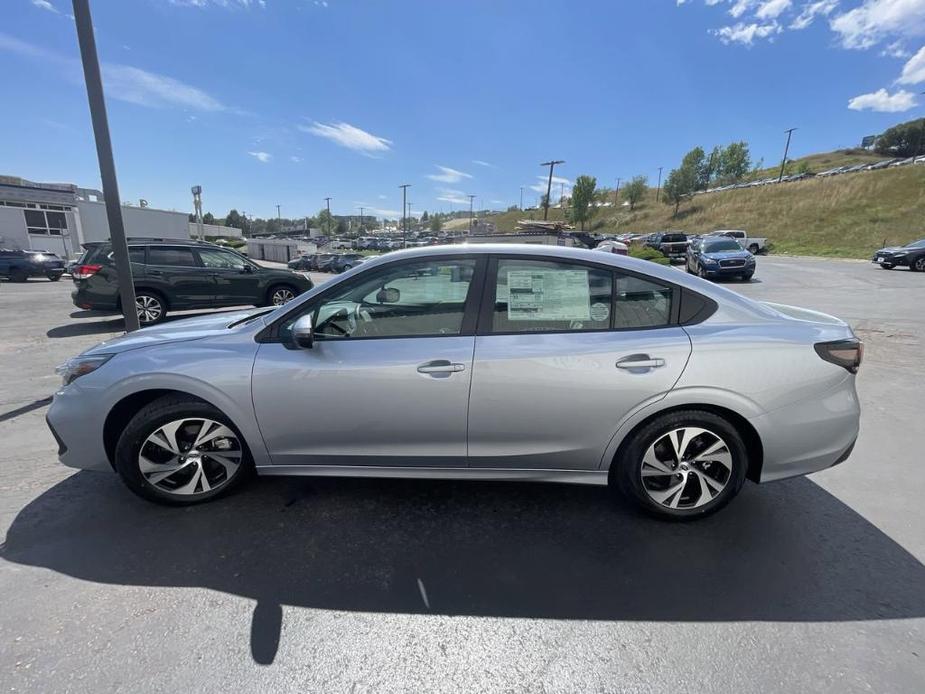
point(486, 362)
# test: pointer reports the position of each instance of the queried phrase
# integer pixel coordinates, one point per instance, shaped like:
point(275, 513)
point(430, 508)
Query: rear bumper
point(91, 301)
point(810, 436)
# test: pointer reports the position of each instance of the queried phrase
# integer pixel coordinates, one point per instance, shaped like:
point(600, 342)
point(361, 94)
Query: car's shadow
point(114, 324)
point(783, 552)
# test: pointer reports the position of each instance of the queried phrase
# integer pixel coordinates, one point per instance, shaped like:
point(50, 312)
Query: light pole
point(471, 198)
point(197, 205)
point(97, 102)
point(404, 220)
point(786, 150)
point(327, 202)
point(551, 165)
point(521, 198)
point(658, 188)
point(616, 194)
point(361, 218)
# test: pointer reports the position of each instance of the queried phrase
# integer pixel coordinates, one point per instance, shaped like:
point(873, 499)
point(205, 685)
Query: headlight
point(750, 260)
point(708, 261)
point(76, 367)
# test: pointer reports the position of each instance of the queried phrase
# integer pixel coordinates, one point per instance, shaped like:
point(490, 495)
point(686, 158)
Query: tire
point(184, 480)
point(276, 295)
point(753, 249)
point(54, 277)
point(701, 273)
point(747, 277)
point(704, 488)
point(887, 266)
point(150, 306)
point(918, 265)
point(19, 275)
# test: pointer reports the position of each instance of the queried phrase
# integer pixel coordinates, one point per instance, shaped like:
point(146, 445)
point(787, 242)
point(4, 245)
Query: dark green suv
point(180, 274)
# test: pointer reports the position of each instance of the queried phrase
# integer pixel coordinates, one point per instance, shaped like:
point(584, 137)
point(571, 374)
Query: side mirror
point(247, 269)
point(303, 332)
point(388, 295)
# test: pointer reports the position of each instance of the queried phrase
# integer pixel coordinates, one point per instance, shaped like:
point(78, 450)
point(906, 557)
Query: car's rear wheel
point(281, 294)
point(181, 451)
point(918, 264)
point(53, 276)
point(682, 465)
point(753, 248)
point(150, 306)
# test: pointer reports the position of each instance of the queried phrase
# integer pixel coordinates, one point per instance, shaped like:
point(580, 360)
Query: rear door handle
point(440, 366)
point(640, 361)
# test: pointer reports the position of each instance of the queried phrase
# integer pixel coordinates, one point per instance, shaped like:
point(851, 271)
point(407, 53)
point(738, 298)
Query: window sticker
point(600, 312)
point(552, 295)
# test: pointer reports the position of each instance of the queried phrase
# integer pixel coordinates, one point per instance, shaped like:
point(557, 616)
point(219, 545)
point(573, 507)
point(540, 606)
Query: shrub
point(646, 253)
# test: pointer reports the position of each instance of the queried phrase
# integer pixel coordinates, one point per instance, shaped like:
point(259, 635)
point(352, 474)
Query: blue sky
point(290, 101)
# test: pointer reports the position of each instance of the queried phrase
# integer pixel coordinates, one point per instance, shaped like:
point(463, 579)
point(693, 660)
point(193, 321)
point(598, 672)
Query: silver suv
point(475, 362)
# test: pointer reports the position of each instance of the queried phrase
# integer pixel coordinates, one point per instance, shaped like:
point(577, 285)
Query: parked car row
point(326, 262)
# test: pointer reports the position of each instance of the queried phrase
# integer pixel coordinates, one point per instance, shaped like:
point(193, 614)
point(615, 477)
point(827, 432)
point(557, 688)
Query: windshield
point(916, 244)
point(720, 246)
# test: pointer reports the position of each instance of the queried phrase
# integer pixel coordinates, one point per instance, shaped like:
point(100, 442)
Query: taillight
point(845, 353)
point(82, 272)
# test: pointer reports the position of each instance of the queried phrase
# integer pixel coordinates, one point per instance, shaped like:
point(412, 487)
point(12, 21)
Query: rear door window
point(172, 256)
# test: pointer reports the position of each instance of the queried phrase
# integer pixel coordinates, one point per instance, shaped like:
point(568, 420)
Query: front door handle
point(640, 361)
point(440, 366)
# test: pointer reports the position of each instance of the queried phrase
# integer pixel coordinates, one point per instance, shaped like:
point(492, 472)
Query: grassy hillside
point(846, 216)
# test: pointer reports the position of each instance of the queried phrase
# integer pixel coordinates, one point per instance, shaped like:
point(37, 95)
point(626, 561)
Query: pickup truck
point(752, 244)
point(19, 266)
point(672, 244)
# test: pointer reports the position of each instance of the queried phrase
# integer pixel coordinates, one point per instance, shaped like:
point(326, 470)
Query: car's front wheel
point(181, 451)
point(682, 465)
point(887, 266)
point(281, 294)
point(918, 264)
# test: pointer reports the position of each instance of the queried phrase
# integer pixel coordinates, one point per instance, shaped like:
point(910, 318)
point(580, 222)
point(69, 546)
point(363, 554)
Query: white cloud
point(914, 70)
point(740, 7)
point(557, 184)
point(884, 102)
point(897, 49)
point(295, 159)
point(45, 5)
point(225, 4)
point(875, 20)
point(262, 157)
point(811, 10)
point(457, 197)
point(772, 9)
point(479, 162)
point(124, 82)
point(448, 175)
point(349, 136)
point(746, 33)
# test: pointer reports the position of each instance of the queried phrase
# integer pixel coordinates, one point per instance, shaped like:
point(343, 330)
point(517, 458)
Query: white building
point(60, 217)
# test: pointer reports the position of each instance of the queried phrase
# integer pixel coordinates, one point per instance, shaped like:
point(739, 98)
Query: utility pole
point(404, 221)
point(551, 165)
point(97, 102)
point(658, 189)
point(279, 221)
point(471, 198)
point(616, 194)
point(327, 202)
point(786, 150)
point(521, 198)
point(706, 183)
point(197, 206)
point(361, 218)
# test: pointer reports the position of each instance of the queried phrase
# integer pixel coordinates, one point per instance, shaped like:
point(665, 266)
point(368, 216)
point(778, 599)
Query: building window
point(46, 223)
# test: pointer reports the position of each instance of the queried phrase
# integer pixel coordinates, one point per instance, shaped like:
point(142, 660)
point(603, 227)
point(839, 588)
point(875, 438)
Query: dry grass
point(846, 216)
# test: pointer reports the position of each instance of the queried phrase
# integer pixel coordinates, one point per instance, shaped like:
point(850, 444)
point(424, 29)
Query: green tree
point(424, 217)
point(734, 162)
point(582, 198)
point(325, 220)
point(683, 181)
point(436, 224)
point(635, 190)
point(903, 140)
point(208, 218)
point(341, 227)
point(234, 219)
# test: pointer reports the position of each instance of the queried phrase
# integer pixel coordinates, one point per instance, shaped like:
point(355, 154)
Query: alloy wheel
point(686, 468)
point(282, 296)
point(190, 456)
point(920, 264)
point(149, 308)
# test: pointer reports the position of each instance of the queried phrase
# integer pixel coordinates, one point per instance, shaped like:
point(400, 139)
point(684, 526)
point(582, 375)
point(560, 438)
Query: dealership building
point(61, 217)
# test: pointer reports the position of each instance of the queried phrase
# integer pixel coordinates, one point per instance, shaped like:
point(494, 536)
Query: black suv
point(176, 275)
point(19, 266)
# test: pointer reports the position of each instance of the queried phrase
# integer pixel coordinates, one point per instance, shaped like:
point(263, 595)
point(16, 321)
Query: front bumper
point(728, 271)
point(886, 259)
point(78, 430)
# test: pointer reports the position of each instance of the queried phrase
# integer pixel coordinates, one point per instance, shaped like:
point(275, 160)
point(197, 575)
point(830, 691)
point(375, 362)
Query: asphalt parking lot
point(813, 584)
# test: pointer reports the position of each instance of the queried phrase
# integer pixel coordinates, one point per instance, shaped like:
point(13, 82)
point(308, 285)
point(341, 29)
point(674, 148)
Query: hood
point(728, 255)
point(892, 249)
point(181, 330)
